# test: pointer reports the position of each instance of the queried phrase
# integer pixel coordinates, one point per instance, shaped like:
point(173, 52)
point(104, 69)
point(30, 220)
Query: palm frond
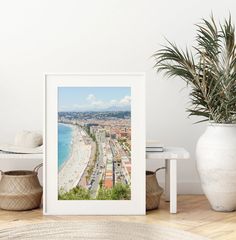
point(211, 72)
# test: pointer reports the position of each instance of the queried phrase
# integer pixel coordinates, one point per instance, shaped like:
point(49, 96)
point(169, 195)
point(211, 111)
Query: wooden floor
point(194, 215)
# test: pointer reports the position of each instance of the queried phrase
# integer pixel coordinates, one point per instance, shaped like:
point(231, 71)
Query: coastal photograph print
point(94, 143)
point(94, 156)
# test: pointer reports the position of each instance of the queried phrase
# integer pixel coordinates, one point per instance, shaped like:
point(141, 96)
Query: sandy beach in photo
point(72, 170)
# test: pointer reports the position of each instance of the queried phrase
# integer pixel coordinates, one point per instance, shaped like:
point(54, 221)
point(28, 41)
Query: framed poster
point(94, 144)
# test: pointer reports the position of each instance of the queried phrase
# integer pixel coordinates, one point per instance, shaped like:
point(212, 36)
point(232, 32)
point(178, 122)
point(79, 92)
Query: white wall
point(46, 36)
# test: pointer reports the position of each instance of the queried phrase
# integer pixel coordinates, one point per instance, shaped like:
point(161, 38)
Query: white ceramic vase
point(216, 163)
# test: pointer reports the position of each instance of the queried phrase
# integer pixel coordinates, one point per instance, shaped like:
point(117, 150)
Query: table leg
point(173, 186)
point(167, 180)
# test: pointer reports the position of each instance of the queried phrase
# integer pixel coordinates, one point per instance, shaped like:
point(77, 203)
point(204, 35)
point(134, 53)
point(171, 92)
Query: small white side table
point(4, 155)
point(11, 161)
point(170, 155)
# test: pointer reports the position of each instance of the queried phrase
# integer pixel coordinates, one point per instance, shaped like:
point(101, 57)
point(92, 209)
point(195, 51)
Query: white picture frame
point(136, 205)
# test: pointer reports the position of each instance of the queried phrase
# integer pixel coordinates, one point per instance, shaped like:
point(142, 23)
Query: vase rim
point(214, 124)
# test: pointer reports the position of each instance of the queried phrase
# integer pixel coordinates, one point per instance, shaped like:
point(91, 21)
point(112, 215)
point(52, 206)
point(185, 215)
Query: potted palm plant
point(209, 69)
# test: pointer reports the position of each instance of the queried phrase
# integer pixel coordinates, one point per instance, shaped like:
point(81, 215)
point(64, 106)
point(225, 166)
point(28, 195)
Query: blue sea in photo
point(64, 143)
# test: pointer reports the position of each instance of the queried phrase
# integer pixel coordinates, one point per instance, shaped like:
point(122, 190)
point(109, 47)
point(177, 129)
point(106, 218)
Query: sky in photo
point(94, 98)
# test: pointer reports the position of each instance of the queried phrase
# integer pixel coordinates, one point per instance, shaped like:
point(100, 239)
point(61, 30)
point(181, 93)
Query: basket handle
point(36, 169)
point(159, 169)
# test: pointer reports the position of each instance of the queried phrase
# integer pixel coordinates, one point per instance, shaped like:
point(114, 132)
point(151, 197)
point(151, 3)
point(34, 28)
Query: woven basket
point(153, 190)
point(20, 190)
